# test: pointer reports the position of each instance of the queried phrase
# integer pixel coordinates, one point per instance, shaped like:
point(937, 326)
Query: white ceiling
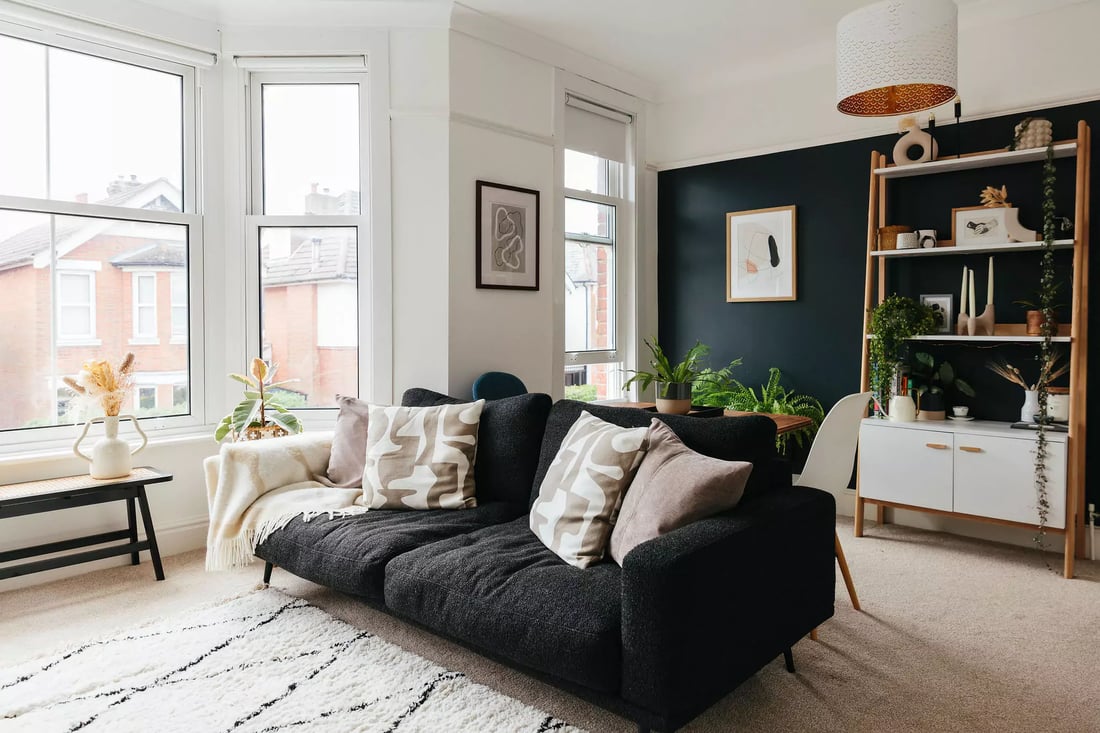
point(680, 46)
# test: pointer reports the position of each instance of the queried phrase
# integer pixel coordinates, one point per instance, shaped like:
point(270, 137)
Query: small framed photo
point(507, 248)
point(973, 226)
point(944, 308)
point(760, 255)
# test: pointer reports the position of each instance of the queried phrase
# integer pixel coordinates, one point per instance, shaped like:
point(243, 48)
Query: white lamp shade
point(897, 57)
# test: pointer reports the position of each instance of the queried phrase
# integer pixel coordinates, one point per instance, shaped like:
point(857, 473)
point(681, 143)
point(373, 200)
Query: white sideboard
point(979, 470)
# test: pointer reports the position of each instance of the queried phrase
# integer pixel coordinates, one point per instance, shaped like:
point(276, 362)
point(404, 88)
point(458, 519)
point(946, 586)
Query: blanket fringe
point(240, 551)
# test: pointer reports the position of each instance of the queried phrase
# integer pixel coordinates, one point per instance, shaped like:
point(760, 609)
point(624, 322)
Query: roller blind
point(596, 130)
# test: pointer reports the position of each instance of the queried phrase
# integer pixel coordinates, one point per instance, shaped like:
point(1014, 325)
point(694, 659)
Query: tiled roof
point(330, 256)
point(158, 253)
point(21, 248)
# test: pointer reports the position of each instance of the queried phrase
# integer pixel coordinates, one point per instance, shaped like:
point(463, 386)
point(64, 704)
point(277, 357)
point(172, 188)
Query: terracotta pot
point(673, 407)
point(267, 431)
point(1035, 322)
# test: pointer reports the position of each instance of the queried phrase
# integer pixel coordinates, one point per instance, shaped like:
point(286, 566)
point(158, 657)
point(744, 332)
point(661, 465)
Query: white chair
point(829, 465)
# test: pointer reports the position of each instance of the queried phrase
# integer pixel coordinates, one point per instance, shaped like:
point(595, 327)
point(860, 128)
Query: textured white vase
point(111, 456)
point(1031, 406)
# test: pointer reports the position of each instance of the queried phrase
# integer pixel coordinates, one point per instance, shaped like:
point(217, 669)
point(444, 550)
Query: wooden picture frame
point(996, 213)
point(507, 237)
point(761, 255)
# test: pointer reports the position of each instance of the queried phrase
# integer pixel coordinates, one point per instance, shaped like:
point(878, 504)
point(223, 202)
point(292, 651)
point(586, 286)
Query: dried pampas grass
point(100, 385)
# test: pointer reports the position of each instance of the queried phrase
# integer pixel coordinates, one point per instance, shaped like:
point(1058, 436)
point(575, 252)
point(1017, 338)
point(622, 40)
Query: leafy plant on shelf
point(723, 390)
point(261, 406)
point(936, 380)
point(893, 321)
point(687, 371)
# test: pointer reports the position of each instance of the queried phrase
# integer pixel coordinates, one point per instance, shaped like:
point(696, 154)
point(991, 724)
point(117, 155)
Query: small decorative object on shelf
point(902, 407)
point(942, 309)
point(927, 238)
point(908, 240)
point(261, 414)
point(1037, 316)
point(100, 386)
point(914, 137)
point(888, 236)
point(988, 224)
point(1032, 132)
point(1049, 371)
point(673, 382)
point(933, 383)
point(984, 324)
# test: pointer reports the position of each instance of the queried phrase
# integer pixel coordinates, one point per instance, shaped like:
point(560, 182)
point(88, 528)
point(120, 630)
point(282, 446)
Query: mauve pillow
point(674, 487)
point(349, 443)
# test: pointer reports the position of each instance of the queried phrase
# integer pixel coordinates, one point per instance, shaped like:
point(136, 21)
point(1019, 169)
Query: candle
point(973, 308)
point(962, 294)
point(989, 299)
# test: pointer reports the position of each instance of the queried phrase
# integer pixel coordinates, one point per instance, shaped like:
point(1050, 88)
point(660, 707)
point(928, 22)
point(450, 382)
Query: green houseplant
point(934, 383)
point(261, 414)
point(893, 321)
point(673, 380)
point(721, 389)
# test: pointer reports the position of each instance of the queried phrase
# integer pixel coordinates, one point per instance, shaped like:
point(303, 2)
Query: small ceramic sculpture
point(997, 198)
point(914, 137)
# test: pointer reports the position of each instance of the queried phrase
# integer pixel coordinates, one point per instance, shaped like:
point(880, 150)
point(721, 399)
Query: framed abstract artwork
point(760, 255)
point(507, 248)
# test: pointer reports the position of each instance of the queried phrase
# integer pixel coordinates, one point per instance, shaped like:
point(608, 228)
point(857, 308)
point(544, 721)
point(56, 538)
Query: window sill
point(52, 450)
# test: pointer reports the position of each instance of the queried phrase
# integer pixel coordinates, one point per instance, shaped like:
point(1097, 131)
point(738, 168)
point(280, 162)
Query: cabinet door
point(995, 477)
point(906, 466)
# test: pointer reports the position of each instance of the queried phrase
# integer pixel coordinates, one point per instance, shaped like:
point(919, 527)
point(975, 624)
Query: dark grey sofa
point(688, 617)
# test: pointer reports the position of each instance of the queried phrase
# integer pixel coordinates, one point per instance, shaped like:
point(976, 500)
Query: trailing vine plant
point(894, 320)
point(1047, 292)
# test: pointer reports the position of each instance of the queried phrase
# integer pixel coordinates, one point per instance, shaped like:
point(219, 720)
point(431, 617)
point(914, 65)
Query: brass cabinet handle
point(970, 449)
point(937, 446)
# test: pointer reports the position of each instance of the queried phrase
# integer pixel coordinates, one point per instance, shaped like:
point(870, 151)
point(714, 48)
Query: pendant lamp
point(897, 57)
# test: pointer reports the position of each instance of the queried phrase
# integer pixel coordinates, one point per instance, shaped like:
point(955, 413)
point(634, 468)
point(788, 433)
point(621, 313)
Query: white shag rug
point(264, 661)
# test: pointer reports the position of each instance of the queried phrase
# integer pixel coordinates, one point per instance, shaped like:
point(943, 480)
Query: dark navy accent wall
point(816, 339)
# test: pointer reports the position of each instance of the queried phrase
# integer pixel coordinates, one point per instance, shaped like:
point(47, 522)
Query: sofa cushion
point(350, 553)
point(349, 443)
point(421, 457)
point(509, 438)
point(500, 589)
point(750, 438)
point(580, 496)
point(674, 487)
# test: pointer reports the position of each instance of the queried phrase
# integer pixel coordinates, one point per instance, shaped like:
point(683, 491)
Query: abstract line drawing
point(760, 254)
point(507, 244)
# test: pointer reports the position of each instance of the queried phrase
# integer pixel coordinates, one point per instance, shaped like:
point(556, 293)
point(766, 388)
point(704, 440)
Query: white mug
point(960, 410)
point(927, 238)
point(908, 240)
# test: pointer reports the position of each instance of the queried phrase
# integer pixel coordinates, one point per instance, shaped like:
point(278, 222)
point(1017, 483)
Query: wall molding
point(484, 124)
point(843, 137)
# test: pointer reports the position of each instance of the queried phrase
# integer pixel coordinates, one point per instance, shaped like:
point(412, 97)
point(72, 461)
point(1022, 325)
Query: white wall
point(501, 131)
point(1006, 63)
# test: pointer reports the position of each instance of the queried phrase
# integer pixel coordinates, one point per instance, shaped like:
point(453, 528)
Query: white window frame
point(37, 28)
point(139, 338)
point(627, 278)
point(177, 277)
point(372, 224)
point(61, 301)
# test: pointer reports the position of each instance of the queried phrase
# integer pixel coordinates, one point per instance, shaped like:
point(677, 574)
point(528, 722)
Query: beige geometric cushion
point(674, 487)
point(421, 457)
point(580, 495)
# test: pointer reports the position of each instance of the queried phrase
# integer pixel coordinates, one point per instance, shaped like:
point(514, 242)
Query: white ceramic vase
point(111, 456)
point(1031, 405)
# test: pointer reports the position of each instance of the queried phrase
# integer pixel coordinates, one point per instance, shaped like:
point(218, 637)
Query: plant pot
point(931, 406)
point(1031, 406)
point(1035, 321)
point(674, 398)
point(111, 456)
point(267, 431)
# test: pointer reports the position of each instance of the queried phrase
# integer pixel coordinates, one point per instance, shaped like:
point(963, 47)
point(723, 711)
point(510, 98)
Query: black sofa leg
point(268, 567)
point(788, 658)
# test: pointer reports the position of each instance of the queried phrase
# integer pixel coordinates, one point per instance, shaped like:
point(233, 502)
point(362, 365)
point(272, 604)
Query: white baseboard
point(172, 539)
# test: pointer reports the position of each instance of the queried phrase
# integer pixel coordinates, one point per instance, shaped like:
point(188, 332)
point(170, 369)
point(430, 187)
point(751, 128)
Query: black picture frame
point(492, 270)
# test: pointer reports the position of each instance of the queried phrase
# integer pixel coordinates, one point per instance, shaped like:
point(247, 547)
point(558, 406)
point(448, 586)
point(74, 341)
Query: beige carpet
point(956, 635)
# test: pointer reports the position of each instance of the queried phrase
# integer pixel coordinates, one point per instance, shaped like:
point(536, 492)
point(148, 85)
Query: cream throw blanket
point(255, 488)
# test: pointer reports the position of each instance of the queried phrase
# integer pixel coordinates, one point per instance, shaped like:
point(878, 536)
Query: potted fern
point(673, 380)
point(261, 414)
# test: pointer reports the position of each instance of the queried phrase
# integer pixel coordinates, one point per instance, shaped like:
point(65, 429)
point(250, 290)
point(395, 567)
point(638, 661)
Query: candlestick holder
point(962, 327)
point(981, 325)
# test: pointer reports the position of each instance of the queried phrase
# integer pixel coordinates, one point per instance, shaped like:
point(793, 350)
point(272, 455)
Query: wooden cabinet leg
point(880, 515)
point(859, 516)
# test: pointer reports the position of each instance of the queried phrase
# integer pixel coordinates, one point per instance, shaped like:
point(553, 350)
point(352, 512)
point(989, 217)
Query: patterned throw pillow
point(579, 497)
point(674, 487)
point(421, 457)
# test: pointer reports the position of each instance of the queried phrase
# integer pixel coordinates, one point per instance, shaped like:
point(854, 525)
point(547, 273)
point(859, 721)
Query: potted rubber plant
point(674, 381)
point(261, 414)
point(933, 383)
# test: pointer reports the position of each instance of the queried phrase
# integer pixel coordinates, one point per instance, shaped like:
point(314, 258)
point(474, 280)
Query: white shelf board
point(987, 160)
point(971, 427)
point(945, 337)
point(983, 249)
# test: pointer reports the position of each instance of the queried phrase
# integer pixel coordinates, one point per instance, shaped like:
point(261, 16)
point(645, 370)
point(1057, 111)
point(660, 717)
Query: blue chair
point(498, 385)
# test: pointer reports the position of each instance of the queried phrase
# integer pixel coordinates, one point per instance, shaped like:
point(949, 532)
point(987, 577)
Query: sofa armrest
point(706, 606)
point(277, 462)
